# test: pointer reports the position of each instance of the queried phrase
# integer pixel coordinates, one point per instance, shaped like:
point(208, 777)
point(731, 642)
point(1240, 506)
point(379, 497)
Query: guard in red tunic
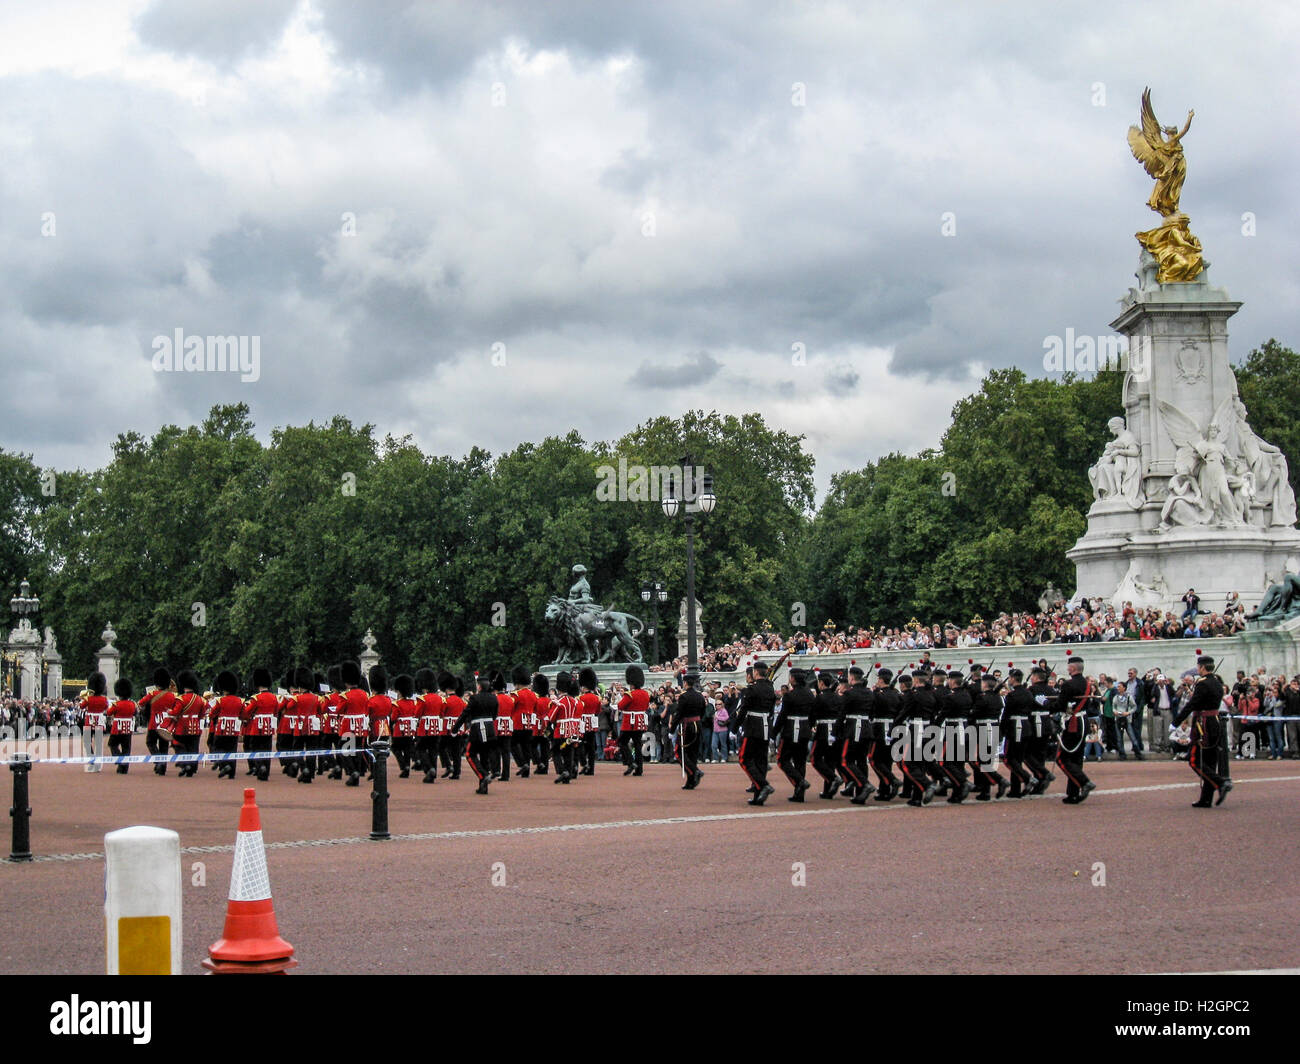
point(287, 724)
point(379, 710)
point(634, 719)
point(590, 718)
point(406, 722)
point(227, 721)
point(524, 721)
point(121, 722)
point(566, 728)
point(261, 714)
point(354, 723)
point(94, 718)
point(453, 705)
point(330, 723)
point(541, 727)
point(309, 722)
point(503, 725)
point(158, 704)
point(185, 721)
point(428, 728)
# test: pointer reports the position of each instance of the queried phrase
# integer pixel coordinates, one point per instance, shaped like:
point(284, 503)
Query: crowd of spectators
point(1086, 621)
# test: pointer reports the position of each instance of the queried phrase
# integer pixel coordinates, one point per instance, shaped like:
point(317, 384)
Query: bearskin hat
point(634, 675)
point(378, 679)
point(334, 677)
point(290, 679)
point(425, 681)
point(404, 685)
point(122, 687)
point(227, 682)
point(161, 678)
point(498, 681)
point(587, 677)
point(446, 681)
point(187, 680)
point(305, 679)
point(350, 674)
point(520, 676)
point(541, 685)
point(97, 683)
point(562, 679)
point(460, 686)
point(261, 677)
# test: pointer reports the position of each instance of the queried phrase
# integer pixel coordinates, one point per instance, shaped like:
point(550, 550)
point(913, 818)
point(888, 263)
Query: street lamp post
point(655, 595)
point(704, 502)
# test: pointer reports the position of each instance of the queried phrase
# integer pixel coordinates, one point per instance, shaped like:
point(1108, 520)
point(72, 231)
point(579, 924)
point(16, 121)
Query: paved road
point(632, 875)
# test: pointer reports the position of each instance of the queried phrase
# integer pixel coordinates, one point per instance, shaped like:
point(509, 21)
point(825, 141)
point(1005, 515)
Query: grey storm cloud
point(698, 368)
point(337, 179)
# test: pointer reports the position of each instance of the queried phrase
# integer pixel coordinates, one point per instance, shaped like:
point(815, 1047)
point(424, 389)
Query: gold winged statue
point(1160, 151)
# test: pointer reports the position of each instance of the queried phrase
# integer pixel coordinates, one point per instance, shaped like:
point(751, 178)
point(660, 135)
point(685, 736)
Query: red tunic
point(289, 723)
point(354, 717)
point(590, 711)
point(635, 707)
point(187, 715)
point(406, 717)
point(566, 715)
point(505, 721)
point(160, 704)
point(525, 710)
point(542, 713)
point(329, 716)
point(227, 715)
point(380, 708)
point(452, 707)
point(260, 714)
point(95, 713)
point(431, 714)
point(309, 719)
point(121, 716)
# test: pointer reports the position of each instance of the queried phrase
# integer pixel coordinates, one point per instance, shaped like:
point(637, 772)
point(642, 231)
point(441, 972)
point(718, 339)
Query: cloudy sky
point(485, 223)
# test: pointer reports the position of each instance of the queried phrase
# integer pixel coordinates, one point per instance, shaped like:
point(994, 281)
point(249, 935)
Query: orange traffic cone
point(251, 943)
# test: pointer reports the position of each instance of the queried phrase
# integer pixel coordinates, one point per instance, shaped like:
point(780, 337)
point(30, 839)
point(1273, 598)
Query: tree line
point(206, 547)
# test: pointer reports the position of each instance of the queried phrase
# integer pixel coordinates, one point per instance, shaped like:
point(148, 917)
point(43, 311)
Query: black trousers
point(307, 766)
point(825, 757)
point(224, 744)
point(521, 749)
point(186, 744)
point(792, 759)
point(563, 754)
point(260, 744)
point(881, 756)
point(1022, 778)
point(1071, 763)
point(689, 743)
point(753, 759)
point(404, 751)
point(629, 749)
point(287, 744)
point(156, 744)
point(541, 752)
point(1208, 744)
point(479, 754)
point(120, 746)
point(587, 752)
point(426, 753)
point(501, 756)
point(915, 777)
point(854, 762)
point(452, 747)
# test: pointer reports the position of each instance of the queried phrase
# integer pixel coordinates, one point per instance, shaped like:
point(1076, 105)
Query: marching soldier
point(918, 711)
point(353, 723)
point(308, 711)
point(541, 743)
point(158, 703)
point(590, 718)
point(793, 728)
point(754, 718)
point(955, 716)
point(887, 709)
point(429, 729)
point(185, 721)
point(858, 706)
point(504, 723)
point(1208, 756)
point(479, 717)
point(1038, 751)
point(260, 722)
point(453, 705)
point(121, 722)
point(94, 718)
point(634, 719)
point(1075, 695)
point(288, 726)
point(406, 723)
point(986, 713)
point(524, 720)
point(826, 718)
point(1016, 710)
point(227, 721)
point(330, 722)
point(564, 711)
point(379, 710)
point(687, 714)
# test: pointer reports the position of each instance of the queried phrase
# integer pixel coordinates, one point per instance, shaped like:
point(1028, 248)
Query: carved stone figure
point(1118, 473)
point(1204, 457)
point(592, 635)
point(1268, 466)
point(1282, 600)
point(1133, 589)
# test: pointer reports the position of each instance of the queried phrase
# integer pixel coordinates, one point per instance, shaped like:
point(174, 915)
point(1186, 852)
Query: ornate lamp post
point(703, 502)
point(655, 595)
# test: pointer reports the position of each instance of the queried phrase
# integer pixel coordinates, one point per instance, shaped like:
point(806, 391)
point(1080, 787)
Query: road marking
point(484, 833)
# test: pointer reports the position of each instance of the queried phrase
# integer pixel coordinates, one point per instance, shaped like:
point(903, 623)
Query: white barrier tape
point(190, 759)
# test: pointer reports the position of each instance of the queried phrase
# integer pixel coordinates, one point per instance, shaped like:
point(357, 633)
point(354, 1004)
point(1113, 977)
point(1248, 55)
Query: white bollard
point(142, 901)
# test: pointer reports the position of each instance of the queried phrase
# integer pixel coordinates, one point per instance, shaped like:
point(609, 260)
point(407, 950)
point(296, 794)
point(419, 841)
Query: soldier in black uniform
point(888, 706)
point(858, 706)
point(754, 718)
point(1075, 695)
point(986, 712)
point(955, 716)
point(1039, 748)
point(688, 712)
point(1209, 738)
point(1015, 734)
point(479, 716)
point(826, 718)
point(918, 712)
point(793, 729)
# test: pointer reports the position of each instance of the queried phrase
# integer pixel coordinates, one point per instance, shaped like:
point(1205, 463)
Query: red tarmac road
point(614, 874)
